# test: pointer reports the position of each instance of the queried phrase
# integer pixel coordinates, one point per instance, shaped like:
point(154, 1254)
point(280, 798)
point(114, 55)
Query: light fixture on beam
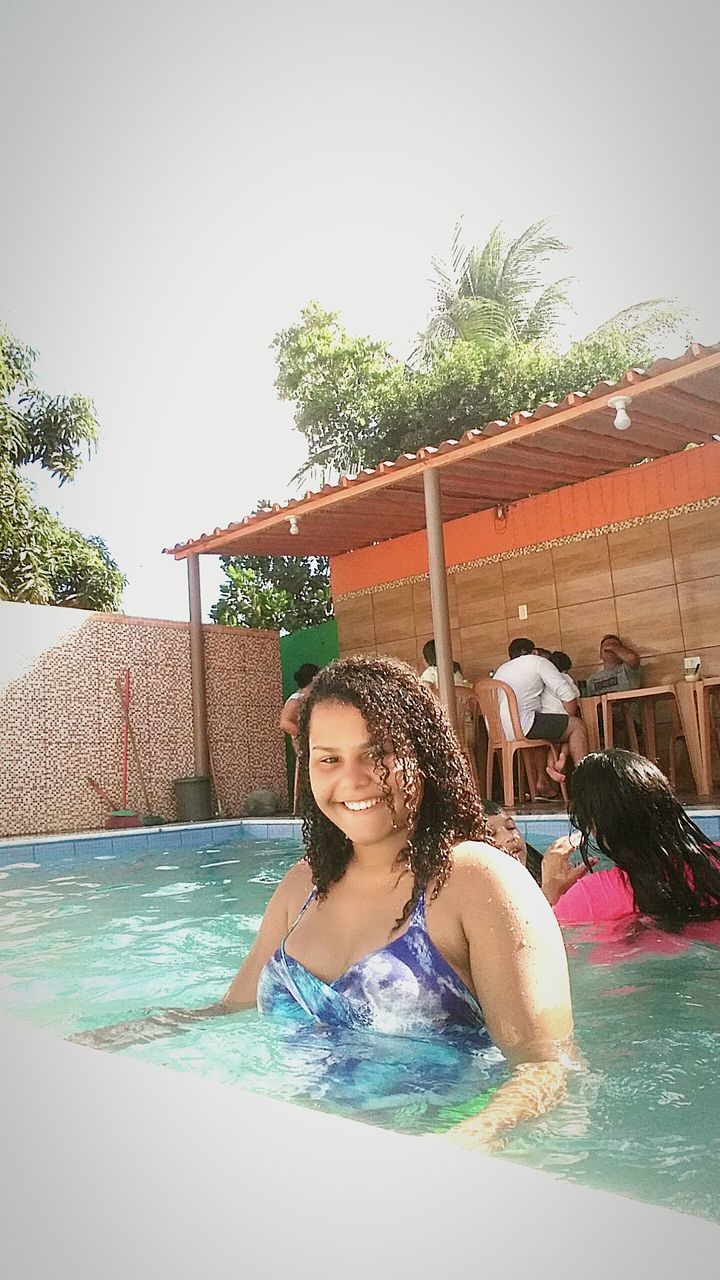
point(622, 417)
point(292, 521)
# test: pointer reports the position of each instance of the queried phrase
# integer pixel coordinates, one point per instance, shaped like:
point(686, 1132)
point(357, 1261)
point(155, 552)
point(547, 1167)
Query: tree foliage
point(357, 406)
point(42, 561)
point(339, 385)
point(276, 593)
point(494, 292)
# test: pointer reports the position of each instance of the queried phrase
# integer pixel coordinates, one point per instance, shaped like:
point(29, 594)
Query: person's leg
point(549, 725)
point(575, 736)
point(536, 771)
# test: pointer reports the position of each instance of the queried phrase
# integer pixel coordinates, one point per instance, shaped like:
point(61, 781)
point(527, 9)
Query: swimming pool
point(91, 941)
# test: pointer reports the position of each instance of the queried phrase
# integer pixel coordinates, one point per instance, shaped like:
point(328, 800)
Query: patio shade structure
point(672, 404)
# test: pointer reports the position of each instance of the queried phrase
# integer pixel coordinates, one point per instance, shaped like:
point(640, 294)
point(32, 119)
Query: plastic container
point(193, 799)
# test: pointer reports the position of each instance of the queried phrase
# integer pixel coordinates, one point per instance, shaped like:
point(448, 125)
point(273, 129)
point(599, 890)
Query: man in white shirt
point(532, 677)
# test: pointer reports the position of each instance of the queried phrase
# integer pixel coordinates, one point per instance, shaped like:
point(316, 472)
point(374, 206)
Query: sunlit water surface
point(87, 945)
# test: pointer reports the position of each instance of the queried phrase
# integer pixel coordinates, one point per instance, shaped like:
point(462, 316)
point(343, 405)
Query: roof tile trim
point(574, 398)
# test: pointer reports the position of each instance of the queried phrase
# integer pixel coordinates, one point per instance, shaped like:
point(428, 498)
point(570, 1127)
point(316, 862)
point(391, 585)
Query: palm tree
point(494, 291)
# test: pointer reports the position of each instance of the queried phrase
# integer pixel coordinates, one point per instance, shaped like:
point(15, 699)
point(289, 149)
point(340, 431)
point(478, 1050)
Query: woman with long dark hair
point(665, 867)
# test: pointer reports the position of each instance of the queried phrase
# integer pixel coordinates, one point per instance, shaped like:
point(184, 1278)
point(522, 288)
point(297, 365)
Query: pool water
point(90, 944)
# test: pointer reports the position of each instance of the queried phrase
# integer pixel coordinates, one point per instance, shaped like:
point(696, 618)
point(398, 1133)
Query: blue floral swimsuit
point(404, 988)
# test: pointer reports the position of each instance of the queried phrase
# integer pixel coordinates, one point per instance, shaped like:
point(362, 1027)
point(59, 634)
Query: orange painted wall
point(637, 491)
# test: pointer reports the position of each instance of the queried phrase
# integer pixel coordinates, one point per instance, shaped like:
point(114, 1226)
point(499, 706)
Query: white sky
point(181, 178)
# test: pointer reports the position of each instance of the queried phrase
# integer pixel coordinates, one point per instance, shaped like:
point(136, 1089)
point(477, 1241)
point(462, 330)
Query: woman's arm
point(242, 992)
point(519, 971)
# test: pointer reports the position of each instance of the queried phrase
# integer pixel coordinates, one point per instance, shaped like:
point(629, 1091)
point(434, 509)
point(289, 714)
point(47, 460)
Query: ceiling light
point(622, 417)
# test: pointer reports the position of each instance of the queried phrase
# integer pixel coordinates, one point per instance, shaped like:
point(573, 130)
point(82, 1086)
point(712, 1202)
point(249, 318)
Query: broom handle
point(102, 793)
point(130, 733)
point(126, 723)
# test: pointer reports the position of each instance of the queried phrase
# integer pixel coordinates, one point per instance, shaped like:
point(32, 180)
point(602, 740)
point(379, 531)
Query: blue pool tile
point(188, 837)
point(17, 853)
point(710, 824)
point(131, 845)
point(94, 847)
point(284, 830)
point(167, 841)
point(256, 830)
point(54, 850)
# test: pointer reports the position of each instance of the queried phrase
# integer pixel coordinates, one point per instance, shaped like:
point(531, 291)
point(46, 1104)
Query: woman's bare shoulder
point(295, 884)
point(476, 864)
point(477, 857)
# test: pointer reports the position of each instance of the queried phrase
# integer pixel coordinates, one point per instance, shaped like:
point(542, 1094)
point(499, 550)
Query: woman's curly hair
point(436, 783)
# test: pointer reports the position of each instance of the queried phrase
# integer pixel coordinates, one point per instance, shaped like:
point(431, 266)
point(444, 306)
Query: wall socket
point(522, 611)
point(692, 664)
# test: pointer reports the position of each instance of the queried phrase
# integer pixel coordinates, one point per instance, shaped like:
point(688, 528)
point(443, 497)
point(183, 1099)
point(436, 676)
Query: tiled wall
point(656, 584)
point(61, 716)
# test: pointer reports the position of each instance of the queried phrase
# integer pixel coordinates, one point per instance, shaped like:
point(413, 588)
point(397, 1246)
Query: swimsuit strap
point(290, 981)
point(312, 894)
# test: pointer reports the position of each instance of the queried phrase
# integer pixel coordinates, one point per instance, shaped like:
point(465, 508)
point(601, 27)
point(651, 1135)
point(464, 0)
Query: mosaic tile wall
point(61, 719)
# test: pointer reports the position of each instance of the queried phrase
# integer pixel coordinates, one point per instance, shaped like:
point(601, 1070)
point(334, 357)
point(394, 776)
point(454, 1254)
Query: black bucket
point(193, 799)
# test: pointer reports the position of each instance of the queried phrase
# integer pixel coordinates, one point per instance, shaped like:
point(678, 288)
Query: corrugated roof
point(675, 403)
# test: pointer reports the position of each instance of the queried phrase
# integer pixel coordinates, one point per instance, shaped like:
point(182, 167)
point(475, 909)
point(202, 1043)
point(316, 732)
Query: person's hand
point(613, 647)
point(558, 874)
point(469, 1136)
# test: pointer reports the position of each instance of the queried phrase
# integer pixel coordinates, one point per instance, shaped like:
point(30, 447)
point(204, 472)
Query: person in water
point(550, 875)
point(505, 833)
point(665, 869)
point(402, 917)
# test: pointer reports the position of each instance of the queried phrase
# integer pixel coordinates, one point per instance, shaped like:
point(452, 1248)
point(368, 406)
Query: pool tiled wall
point(539, 832)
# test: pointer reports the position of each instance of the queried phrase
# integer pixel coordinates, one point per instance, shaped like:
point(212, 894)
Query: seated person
point(549, 701)
point(665, 868)
point(620, 669)
point(430, 674)
point(529, 676)
point(562, 661)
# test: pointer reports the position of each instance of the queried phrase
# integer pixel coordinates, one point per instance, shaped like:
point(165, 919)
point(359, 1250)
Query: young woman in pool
point(402, 918)
point(666, 869)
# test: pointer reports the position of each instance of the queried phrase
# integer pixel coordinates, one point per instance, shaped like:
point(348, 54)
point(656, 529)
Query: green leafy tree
point(339, 385)
point(468, 385)
point(42, 561)
point(487, 352)
point(276, 593)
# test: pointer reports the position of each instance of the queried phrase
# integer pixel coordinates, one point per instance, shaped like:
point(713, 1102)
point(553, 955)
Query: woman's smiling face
point(346, 781)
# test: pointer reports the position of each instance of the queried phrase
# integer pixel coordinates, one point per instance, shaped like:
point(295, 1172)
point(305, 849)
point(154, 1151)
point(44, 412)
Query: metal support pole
point(438, 592)
point(197, 670)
